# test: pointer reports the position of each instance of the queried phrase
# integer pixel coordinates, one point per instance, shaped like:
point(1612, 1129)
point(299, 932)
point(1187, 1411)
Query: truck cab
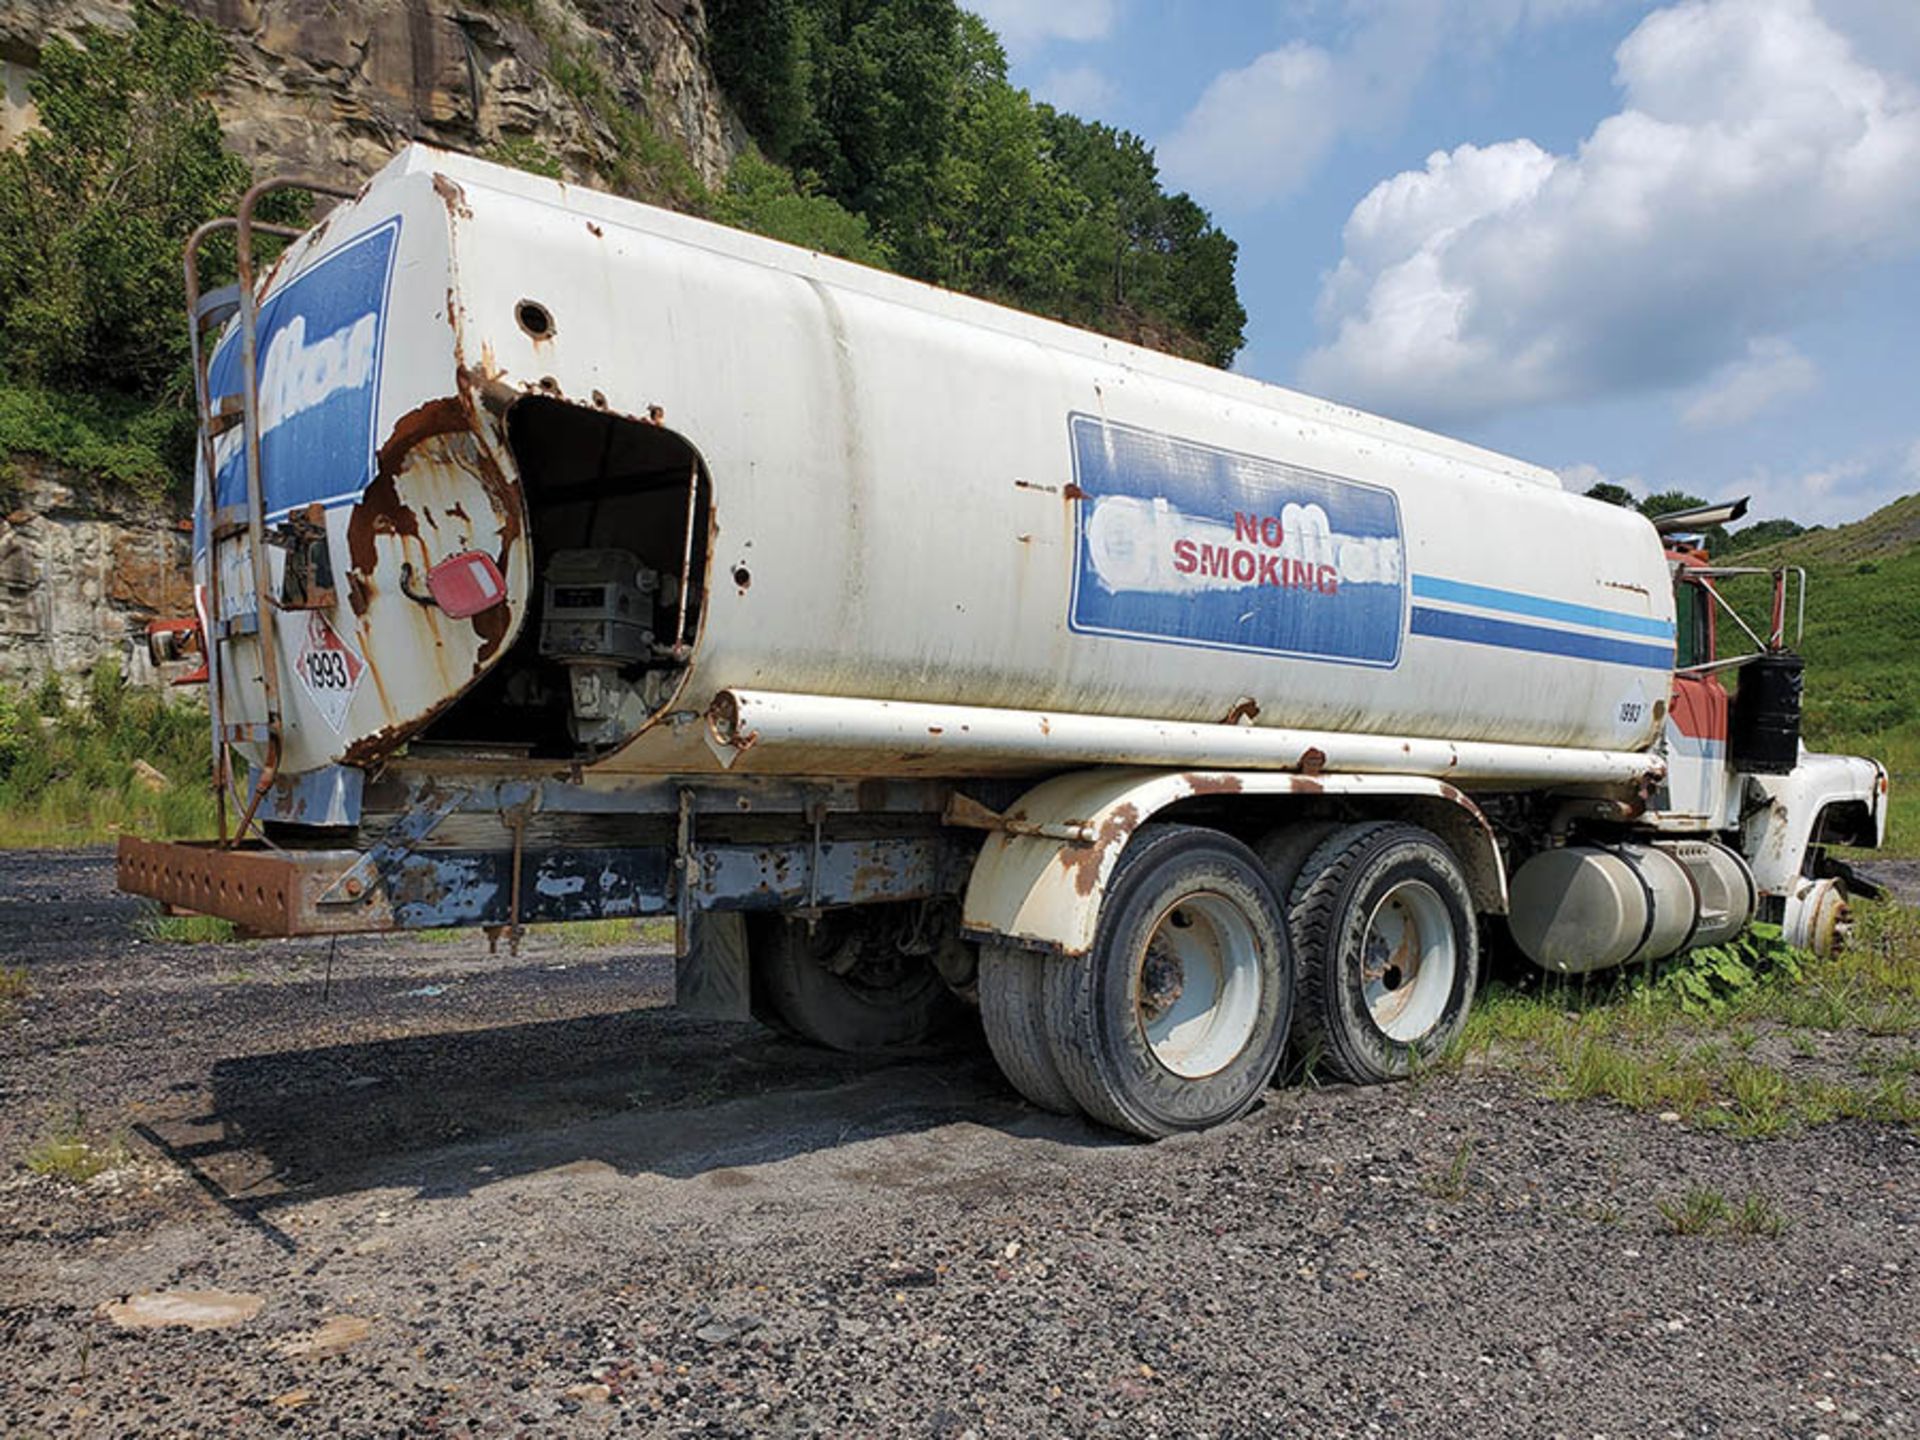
point(1736, 764)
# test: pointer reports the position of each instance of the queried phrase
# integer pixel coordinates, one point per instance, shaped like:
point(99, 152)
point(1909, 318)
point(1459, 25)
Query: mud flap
point(712, 980)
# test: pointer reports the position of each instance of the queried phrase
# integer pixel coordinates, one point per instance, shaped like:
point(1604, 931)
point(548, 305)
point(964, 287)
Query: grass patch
point(68, 1155)
point(13, 990)
point(1703, 1210)
point(187, 929)
point(1644, 1042)
point(1455, 1181)
point(67, 772)
point(605, 934)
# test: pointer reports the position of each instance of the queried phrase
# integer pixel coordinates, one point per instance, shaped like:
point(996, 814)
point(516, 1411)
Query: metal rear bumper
point(267, 892)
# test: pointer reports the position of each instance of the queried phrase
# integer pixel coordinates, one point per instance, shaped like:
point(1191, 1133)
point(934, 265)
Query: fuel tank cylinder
point(1582, 908)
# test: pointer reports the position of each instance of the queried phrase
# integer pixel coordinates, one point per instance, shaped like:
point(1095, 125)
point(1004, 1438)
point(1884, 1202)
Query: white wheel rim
point(1408, 959)
point(1197, 987)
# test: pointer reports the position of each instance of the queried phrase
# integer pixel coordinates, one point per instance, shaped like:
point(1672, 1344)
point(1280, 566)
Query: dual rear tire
point(1200, 975)
point(1177, 1018)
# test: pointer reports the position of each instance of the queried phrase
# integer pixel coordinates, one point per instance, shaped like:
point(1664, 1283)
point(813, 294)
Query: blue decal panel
point(321, 338)
point(1192, 545)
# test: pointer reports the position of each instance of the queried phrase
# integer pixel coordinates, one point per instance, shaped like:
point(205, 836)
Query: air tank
point(851, 485)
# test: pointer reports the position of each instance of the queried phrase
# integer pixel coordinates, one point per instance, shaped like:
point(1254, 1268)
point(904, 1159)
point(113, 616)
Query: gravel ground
point(474, 1193)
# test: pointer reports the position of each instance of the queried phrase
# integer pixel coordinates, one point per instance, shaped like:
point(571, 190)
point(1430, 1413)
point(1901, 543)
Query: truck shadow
point(644, 1091)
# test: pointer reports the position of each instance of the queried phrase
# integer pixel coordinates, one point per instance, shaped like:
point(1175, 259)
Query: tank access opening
point(618, 513)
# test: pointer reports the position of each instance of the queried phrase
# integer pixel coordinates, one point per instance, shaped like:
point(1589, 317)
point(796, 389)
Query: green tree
point(758, 52)
point(761, 197)
point(900, 110)
point(1762, 532)
point(1002, 215)
point(1613, 494)
point(94, 206)
point(1666, 502)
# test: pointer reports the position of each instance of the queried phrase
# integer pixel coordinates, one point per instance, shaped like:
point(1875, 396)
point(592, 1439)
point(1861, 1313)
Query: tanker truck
point(558, 557)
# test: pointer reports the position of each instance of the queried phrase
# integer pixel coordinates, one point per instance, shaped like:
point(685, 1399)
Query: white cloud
point(1830, 494)
point(1755, 155)
point(1257, 133)
point(1772, 370)
point(1260, 131)
point(1082, 89)
point(1026, 25)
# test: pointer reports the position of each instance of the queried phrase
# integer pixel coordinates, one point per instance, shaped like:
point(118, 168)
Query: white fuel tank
point(852, 485)
point(1581, 908)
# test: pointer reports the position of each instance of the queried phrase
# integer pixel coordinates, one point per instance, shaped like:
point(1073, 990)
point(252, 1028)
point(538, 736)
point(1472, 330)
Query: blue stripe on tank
point(1537, 607)
point(1511, 635)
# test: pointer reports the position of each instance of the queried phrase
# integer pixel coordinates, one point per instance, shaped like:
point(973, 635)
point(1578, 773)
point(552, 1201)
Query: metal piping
point(829, 725)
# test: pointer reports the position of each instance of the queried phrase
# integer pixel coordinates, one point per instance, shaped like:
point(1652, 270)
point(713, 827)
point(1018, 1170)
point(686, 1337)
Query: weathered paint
point(305, 892)
point(1047, 892)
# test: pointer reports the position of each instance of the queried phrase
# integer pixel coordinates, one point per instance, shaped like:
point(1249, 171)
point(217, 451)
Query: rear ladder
point(206, 313)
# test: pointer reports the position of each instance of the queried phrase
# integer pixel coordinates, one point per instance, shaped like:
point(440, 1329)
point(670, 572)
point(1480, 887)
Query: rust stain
point(1245, 708)
point(1214, 784)
point(1084, 862)
point(378, 513)
point(460, 511)
point(447, 425)
point(1036, 485)
point(1312, 760)
point(1305, 785)
point(1073, 492)
point(874, 878)
point(491, 626)
point(453, 197)
point(594, 230)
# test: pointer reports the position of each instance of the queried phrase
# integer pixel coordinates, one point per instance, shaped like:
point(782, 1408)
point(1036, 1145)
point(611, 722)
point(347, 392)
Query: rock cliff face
point(82, 571)
point(330, 89)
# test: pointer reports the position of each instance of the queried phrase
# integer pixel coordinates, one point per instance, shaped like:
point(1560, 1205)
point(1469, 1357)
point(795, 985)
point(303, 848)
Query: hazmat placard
point(329, 670)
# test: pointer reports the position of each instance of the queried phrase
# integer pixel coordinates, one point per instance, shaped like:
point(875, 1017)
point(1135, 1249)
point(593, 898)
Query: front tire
point(1383, 924)
point(1177, 1018)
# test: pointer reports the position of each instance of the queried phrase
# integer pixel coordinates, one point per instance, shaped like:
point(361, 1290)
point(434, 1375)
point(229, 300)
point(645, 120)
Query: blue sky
point(1672, 245)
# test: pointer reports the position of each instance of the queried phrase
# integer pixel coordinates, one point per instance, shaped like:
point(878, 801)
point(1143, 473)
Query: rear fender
point(1044, 892)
